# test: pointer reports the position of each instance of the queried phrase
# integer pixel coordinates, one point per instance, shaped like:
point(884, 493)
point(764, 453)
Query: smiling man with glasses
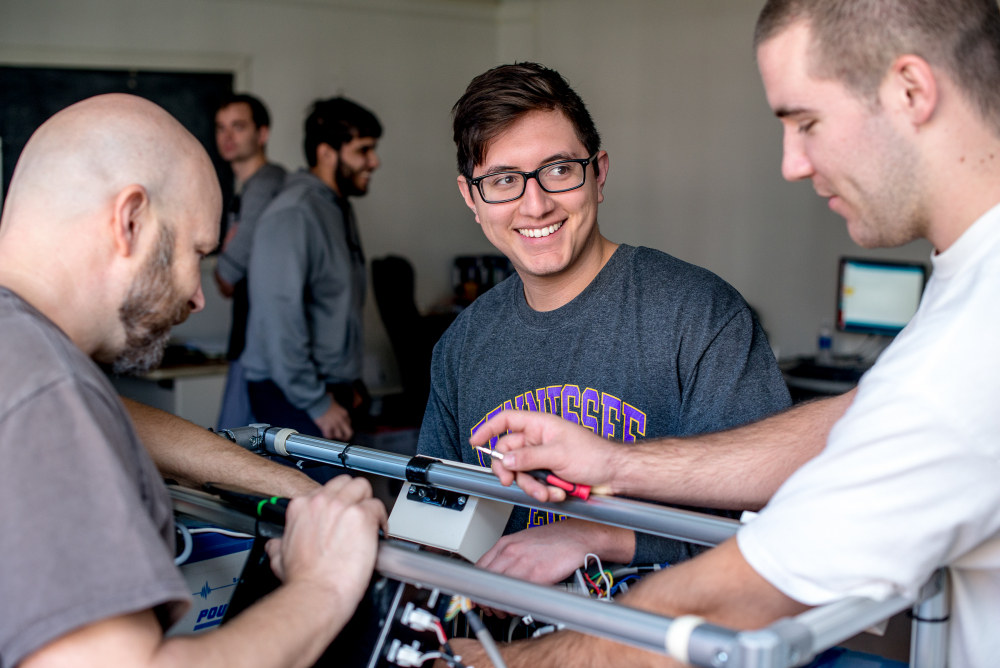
point(629, 342)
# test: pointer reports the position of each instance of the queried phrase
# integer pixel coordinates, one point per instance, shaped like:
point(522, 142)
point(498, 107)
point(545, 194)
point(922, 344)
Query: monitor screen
point(877, 296)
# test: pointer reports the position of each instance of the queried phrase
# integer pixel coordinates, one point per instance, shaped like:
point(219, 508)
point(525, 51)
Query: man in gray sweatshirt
point(306, 281)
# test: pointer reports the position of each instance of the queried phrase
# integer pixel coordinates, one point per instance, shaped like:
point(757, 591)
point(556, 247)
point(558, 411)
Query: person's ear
point(465, 189)
point(130, 216)
point(911, 89)
point(603, 162)
point(326, 157)
point(263, 134)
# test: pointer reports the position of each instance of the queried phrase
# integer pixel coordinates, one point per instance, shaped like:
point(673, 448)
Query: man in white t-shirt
point(868, 493)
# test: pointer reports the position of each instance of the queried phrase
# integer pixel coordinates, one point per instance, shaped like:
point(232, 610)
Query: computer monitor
point(878, 296)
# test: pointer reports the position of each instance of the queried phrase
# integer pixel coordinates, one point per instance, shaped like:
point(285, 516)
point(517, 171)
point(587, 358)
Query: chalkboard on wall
point(30, 95)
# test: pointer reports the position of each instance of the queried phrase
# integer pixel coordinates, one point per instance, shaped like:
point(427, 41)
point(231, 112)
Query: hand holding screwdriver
point(549, 478)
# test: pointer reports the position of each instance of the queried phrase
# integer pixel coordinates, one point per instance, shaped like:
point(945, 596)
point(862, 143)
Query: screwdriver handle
point(550, 478)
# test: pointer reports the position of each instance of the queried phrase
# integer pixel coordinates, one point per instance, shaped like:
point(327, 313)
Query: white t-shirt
point(910, 477)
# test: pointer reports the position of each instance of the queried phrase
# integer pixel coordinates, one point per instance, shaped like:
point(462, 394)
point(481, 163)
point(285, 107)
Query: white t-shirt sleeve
point(900, 490)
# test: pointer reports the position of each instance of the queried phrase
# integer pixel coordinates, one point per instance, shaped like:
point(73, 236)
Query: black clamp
point(416, 469)
point(250, 437)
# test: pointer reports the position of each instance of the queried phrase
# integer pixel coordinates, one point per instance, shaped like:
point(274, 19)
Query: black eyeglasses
point(555, 177)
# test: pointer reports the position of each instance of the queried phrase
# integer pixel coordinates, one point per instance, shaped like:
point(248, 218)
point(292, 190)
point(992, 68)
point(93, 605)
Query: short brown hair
point(496, 100)
point(856, 41)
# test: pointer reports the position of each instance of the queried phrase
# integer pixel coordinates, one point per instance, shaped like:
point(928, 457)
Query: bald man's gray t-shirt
point(87, 525)
point(653, 347)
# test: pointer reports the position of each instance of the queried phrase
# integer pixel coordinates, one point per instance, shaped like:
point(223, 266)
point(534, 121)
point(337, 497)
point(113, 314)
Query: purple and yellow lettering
point(529, 402)
point(553, 392)
point(540, 395)
point(508, 406)
point(493, 441)
point(539, 518)
point(590, 419)
point(633, 416)
point(479, 454)
point(610, 404)
point(570, 403)
point(519, 402)
point(493, 413)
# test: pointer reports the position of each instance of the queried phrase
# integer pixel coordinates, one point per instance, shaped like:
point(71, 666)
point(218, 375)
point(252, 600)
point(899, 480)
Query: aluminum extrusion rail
point(786, 643)
point(646, 517)
point(396, 561)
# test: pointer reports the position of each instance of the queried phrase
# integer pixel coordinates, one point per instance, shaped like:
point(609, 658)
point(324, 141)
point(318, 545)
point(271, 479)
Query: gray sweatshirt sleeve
point(277, 278)
point(259, 192)
point(233, 261)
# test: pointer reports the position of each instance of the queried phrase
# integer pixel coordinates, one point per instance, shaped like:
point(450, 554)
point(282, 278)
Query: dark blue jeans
point(270, 406)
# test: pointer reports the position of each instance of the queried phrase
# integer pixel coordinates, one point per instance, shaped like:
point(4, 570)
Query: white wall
point(407, 60)
point(695, 152)
point(672, 85)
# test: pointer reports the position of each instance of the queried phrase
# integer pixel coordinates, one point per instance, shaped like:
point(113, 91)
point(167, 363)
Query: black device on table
point(874, 297)
point(376, 624)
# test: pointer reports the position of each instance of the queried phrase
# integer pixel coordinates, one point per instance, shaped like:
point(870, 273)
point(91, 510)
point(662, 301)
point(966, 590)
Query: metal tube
point(833, 623)
point(608, 620)
point(211, 509)
point(645, 517)
point(398, 562)
point(930, 627)
point(787, 642)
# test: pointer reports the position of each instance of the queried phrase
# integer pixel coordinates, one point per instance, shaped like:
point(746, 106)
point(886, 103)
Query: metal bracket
point(437, 497)
point(250, 437)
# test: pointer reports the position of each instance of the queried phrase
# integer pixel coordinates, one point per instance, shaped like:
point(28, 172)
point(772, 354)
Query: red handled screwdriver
point(548, 477)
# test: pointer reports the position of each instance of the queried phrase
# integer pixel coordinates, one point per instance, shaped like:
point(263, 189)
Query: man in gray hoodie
point(307, 281)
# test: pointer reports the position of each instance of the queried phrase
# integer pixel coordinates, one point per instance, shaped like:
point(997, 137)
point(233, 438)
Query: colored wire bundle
point(456, 605)
point(605, 576)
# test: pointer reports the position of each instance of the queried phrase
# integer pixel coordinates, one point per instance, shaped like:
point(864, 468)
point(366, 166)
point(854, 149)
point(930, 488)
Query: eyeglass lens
point(559, 177)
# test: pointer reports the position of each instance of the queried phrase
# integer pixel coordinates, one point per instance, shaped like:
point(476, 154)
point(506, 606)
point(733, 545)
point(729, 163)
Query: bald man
point(110, 209)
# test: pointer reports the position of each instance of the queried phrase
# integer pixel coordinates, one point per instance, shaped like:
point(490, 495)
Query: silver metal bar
point(930, 627)
point(608, 620)
point(398, 562)
point(645, 517)
point(836, 622)
point(211, 509)
point(786, 643)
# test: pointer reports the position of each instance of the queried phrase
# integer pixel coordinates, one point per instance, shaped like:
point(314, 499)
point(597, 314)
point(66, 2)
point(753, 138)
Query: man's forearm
point(194, 456)
point(738, 468)
point(290, 628)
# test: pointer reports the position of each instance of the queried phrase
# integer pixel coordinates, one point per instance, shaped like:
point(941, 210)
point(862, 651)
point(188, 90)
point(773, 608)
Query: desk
point(807, 380)
point(193, 392)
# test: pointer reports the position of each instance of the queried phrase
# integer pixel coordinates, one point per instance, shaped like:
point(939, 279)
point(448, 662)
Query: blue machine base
point(844, 658)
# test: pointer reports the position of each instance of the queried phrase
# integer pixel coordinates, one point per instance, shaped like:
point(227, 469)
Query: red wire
point(592, 584)
point(442, 637)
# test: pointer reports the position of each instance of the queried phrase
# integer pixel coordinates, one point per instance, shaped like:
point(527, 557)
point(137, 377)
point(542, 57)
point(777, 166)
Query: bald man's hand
point(331, 538)
point(326, 560)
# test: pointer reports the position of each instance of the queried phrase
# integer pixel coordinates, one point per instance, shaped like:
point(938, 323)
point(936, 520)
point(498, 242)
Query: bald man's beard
point(151, 307)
